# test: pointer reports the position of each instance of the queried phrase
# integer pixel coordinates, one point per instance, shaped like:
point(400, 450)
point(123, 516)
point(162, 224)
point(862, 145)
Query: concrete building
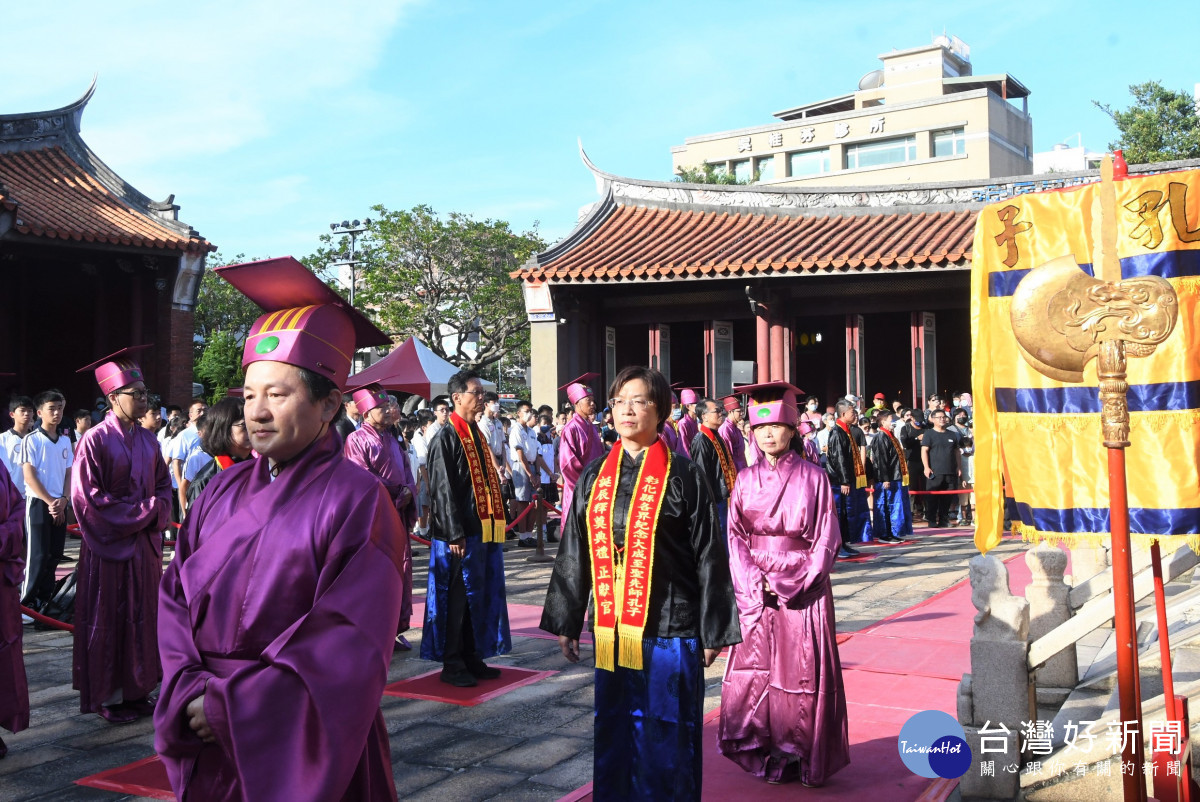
point(923, 117)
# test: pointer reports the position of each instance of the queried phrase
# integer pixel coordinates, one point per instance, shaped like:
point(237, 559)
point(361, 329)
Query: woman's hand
point(198, 721)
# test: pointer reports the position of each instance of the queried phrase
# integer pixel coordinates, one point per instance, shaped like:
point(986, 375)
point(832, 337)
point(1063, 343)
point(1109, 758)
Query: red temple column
point(763, 347)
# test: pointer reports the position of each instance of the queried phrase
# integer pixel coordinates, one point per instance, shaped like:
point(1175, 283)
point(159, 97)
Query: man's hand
point(709, 656)
point(887, 485)
point(198, 722)
point(570, 648)
point(458, 548)
point(845, 490)
point(405, 498)
point(929, 473)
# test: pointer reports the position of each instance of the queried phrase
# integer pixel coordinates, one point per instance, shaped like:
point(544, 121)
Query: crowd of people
point(689, 525)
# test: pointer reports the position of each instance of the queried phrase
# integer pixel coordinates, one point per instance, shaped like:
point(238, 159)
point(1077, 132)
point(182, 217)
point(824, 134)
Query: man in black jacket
point(713, 459)
point(466, 616)
point(847, 474)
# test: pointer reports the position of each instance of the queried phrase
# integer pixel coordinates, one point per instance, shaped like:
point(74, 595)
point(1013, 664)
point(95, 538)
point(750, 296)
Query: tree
point(222, 320)
point(1160, 126)
point(443, 280)
point(709, 174)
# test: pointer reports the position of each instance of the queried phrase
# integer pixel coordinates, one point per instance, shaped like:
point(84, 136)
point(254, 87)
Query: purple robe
point(689, 427)
point(14, 689)
point(578, 446)
point(782, 692)
point(671, 437)
point(121, 495)
point(731, 435)
point(280, 608)
point(381, 455)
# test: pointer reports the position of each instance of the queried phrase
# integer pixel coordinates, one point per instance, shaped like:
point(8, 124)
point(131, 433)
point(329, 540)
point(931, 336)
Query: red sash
point(485, 483)
point(727, 469)
point(223, 462)
point(621, 588)
point(860, 471)
point(900, 456)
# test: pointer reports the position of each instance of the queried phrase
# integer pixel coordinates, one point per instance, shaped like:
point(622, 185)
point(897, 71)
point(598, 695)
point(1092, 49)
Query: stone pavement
point(532, 743)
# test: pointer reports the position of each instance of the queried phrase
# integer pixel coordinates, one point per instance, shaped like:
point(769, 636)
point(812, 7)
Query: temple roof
point(53, 186)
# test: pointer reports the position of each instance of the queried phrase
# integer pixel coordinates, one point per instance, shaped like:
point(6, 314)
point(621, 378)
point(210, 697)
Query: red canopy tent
point(411, 368)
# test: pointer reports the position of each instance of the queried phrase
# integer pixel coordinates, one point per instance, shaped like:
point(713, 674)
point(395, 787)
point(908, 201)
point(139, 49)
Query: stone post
point(997, 695)
point(1049, 605)
point(1088, 560)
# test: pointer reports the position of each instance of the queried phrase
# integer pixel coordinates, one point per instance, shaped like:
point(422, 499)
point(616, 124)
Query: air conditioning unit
point(743, 371)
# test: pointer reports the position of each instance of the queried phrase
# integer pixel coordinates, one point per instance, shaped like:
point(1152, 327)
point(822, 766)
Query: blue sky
point(269, 120)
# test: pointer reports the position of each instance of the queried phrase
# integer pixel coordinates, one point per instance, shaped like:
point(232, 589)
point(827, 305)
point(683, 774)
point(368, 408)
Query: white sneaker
point(26, 619)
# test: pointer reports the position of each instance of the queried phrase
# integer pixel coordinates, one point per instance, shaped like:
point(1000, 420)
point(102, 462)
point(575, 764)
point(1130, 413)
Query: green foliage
point(444, 280)
point(223, 318)
point(1160, 126)
point(220, 365)
point(709, 174)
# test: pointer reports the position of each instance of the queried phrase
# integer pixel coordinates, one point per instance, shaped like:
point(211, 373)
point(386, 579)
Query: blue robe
point(892, 511)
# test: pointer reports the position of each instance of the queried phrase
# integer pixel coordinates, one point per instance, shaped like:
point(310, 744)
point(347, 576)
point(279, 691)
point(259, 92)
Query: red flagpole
point(1132, 748)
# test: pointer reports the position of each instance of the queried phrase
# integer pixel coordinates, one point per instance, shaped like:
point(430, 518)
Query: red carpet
point(909, 662)
point(429, 686)
point(144, 778)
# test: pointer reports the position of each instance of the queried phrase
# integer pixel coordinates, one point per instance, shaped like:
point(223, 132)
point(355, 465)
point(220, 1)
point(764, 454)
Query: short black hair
point(318, 386)
point(490, 396)
point(656, 383)
point(424, 418)
point(545, 409)
point(459, 381)
point(704, 402)
point(220, 418)
point(522, 405)
point(18, 401)
point(199, 400)
point(173, 408)
point(48, 397)
point(842, 406)
point(81, 413)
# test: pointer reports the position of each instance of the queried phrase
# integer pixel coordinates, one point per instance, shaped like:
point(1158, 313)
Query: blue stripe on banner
point(1094, 520)
point(1167, 264)
point(1163, 397)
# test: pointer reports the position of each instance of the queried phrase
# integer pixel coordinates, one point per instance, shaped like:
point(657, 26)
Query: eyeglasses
point(474, 392)
point(138, 395)
point(636, 404)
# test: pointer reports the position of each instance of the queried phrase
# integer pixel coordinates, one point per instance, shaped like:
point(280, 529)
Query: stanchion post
point(539, 554)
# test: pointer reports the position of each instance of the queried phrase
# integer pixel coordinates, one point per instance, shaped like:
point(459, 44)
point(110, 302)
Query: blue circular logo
point(932, 744)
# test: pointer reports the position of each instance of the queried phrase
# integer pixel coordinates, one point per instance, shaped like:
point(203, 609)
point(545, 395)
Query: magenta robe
point(14, 689)
point(731, 435)
point(671, 437)
point(381, 455)
point(121, 495)
point(578, 446)
point(782, 691)
point(280, 607)
point(689, 427)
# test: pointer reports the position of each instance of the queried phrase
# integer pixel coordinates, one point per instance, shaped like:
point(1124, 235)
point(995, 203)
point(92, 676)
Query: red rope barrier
point(521, 517)
point(50, 622)
point(419, 539)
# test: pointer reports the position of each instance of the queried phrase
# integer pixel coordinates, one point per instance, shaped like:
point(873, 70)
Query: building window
point(949, 142)
point(719, 168)
point(882, 151)
point(808, 162)
point(765, 168)
point(741, 170)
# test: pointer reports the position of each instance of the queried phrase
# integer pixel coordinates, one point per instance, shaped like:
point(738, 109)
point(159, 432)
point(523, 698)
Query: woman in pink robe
point(14, 690)
point(783, 707)
point(374, 448)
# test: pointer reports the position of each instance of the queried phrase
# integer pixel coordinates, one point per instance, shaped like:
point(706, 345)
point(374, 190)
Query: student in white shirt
point(20, 410)
point(46, 457)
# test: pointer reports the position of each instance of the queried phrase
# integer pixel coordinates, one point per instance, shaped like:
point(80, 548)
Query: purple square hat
point(578, 389)
point(306, 323)
point(772, 402)
point(117, 370)
point(368, 397)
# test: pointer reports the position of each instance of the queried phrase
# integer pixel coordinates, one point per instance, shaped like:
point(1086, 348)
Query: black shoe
point(117, 714)
point(889, 539)
point(482, 670)
point(845, 553)
point(850, 549)
point(140, 707)
point(460, 678)
point(527, 543)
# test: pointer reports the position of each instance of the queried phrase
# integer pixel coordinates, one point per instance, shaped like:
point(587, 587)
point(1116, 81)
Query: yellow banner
point(1044, 436)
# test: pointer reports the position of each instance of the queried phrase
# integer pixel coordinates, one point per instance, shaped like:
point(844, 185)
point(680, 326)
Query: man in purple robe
point(121, 495)
point(689, 424)
point(783, 707)
point(279, 611)
point(579, 443)
point(731, 431)
point(374, 448)
point(14, 690)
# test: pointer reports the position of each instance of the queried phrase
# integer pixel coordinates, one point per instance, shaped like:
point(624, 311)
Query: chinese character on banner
point(841, 129)
point(1166, 736)
point(743, 144)
point(807, 134)
point(1150, 768)
point(1127, 767)
point(1174, 768)
point(1036, 737)
point(1012, 768)
point(1073, 732)
point(993, 740)
point(775, 140)
point(1080, 769)
point(1104, 769)
point(987, 768)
